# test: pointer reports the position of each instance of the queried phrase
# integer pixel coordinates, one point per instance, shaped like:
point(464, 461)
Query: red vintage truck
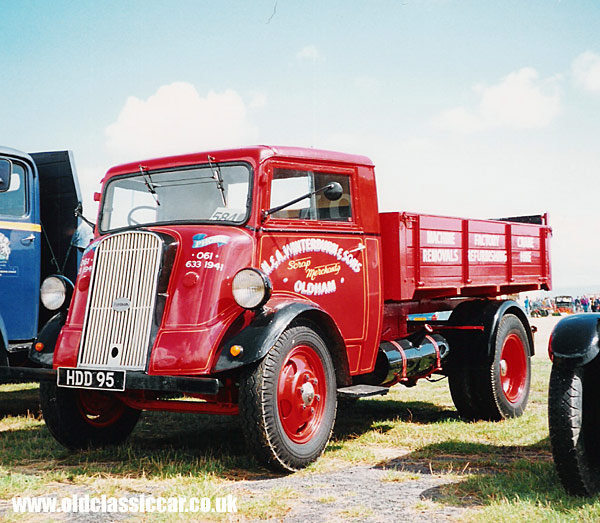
point(263, 282)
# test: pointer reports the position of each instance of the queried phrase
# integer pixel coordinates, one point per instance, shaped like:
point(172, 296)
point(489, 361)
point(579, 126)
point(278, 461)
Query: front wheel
point(85, 418)
point(574, 424)
point(288, 400)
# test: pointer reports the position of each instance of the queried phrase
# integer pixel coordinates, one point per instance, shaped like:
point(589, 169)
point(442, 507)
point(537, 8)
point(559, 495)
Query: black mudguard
point(48, 336)
point(258, 337)
point(487, 314)
point(575, 339)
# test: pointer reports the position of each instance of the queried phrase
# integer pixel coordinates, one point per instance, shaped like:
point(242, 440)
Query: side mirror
point(333, 191)
point(5, 172)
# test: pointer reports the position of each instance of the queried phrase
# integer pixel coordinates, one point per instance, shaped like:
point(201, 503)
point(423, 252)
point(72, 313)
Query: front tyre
point(288, 400)
point(80, 419)
point(574, 423)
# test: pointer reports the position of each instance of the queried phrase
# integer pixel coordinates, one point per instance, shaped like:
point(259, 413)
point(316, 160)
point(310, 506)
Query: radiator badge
point(121, 304)
point(201, 240)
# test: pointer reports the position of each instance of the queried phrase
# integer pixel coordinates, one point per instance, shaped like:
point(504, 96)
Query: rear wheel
point(574, 423)
point(288, 400)
point(504, 389)
point(83, 418)
point(501, 389)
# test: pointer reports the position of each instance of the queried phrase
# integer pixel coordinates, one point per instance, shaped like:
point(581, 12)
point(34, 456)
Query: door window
point(289, 184)
point(13, 202)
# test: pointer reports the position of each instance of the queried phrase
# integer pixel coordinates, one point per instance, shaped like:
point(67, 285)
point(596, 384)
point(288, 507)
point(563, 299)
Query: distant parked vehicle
point(564, 304)
point(539, 310)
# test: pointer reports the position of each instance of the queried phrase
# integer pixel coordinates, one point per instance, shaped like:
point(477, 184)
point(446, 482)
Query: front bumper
point(135, 380)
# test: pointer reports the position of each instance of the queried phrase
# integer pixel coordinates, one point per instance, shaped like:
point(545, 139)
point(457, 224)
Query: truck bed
point(427, 256)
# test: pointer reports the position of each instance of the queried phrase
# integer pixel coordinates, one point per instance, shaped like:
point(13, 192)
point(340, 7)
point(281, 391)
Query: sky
point(467, 108)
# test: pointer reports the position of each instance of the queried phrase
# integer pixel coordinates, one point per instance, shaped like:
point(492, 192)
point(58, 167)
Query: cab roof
point(253, 154)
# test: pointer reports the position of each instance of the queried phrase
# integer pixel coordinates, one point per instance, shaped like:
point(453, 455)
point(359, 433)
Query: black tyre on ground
point(499, 390)
point(574, 423)
point(463, 392)
point(288, 400)
point(85, 418)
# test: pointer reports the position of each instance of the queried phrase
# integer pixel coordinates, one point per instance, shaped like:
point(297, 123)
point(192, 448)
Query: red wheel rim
point(301, 394)
point(99, 409)
point(513, 368)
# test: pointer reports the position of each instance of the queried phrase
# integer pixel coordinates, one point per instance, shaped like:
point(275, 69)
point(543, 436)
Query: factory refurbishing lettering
point(448, 238)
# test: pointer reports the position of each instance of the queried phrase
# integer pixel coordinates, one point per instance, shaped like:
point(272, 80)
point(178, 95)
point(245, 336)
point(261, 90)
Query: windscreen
point(204, 194)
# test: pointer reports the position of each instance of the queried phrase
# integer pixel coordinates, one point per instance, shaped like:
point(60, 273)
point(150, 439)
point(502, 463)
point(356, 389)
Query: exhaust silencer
point(408, 359)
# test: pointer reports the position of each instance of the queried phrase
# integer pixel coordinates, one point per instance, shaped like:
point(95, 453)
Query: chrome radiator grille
point(121, 300)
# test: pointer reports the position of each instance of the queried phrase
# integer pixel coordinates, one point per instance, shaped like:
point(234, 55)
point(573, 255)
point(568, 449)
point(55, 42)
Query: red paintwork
point(435, 256)
point(301, 416)
point(370, 271)
point(515, 376)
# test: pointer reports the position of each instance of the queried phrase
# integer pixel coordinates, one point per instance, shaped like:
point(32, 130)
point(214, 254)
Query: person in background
point(585, 303)
point(527, 305)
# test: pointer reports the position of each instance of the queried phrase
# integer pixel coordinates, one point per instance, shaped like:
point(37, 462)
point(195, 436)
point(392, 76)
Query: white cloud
point(519, 101)
point(586, 71)
point(309, 52)
point(177, 119)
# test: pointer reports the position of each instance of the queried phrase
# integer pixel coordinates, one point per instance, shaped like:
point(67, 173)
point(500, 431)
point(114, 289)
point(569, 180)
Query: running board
point(361, 391)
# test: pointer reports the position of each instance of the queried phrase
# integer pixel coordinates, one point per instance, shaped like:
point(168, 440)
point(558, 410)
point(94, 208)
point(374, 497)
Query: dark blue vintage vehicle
point(39, 196)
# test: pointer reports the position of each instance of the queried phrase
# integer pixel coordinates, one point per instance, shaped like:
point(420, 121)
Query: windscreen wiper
point(217, 177)
point(149, 185)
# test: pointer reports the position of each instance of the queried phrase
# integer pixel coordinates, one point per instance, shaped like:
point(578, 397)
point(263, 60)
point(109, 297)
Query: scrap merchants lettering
point(332, 268)
point(307, 245)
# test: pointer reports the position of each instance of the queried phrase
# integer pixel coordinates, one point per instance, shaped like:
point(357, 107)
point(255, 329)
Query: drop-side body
point(264, 282)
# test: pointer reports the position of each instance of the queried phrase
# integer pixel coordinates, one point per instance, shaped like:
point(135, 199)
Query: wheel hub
point(308, 393)
point(513, 368)
point(301, 394)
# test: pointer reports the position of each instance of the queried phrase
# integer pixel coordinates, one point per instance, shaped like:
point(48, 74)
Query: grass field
point(494, 471)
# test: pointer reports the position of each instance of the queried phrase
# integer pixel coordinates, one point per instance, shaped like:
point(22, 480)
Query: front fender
point(574, 339)
point(48, 336)
point(258, 337)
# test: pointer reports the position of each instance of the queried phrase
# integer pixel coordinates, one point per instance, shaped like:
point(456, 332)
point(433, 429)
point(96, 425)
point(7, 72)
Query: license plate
point(91, 379)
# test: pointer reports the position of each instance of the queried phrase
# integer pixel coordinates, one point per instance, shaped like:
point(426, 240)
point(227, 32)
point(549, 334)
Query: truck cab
point(38, 197)
point(263, 282)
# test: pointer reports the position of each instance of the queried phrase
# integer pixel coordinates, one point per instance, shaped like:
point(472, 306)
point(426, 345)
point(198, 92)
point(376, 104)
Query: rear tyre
point(503, 388)
point(574, 423)
point(288, 401)
point(85, 418)
point(500, 390)
point(462, 390)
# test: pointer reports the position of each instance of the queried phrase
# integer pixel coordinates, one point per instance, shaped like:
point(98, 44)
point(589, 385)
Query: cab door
point(20, 243)
point(314, 249)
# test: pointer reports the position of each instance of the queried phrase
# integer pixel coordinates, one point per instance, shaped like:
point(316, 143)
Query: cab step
point(361, 391)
